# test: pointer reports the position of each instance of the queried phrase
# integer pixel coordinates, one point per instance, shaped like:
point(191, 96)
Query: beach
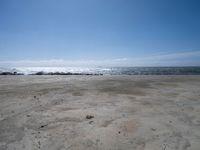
point(110, 112)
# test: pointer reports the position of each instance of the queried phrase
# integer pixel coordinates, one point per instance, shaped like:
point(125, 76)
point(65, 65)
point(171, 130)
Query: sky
point(100, 32)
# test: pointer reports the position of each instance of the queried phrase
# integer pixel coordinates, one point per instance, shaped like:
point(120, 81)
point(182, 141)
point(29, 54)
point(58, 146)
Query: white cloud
point(171, 59)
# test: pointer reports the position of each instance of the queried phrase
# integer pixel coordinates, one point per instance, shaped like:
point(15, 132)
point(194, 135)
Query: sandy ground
point(130, 112)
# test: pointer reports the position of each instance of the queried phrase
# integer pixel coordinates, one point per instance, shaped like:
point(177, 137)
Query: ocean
point(106, 70)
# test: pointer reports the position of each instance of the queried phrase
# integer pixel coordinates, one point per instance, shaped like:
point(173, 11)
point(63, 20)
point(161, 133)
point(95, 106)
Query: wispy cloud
point(187, 58)
point(63, 63)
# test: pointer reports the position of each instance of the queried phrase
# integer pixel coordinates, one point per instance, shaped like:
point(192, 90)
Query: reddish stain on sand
point(129, 126)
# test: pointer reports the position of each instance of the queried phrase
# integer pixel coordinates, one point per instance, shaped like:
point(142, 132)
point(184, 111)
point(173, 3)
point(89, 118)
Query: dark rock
point(6, 73)
point(42, 126)
point(64, 73)
point(89, 117)
point(10, 73)
point(40, 73)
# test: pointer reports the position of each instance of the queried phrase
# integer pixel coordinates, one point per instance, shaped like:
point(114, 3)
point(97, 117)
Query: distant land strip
point(50, 73)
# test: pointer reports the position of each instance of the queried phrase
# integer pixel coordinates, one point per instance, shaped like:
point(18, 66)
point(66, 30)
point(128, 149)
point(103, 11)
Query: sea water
point(108, 70)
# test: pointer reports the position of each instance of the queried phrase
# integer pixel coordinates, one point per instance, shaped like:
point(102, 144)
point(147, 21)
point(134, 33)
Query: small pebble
point(89, 117)
point(91, 122)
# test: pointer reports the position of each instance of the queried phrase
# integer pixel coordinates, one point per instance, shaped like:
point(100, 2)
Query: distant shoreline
point(51, 73)
point(101, 71)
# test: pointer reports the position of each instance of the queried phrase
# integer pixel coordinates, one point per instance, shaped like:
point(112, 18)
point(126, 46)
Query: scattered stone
point(40, 73)
point(65, 73)
point(39, 144)
point(42, 126)
point(10, 73)
point(28, 115)
point(91, 122)
point(164, 146)
point(89, 117)
point(170, 121)
point(119, 132)
point(153, 129)
point(35, 97)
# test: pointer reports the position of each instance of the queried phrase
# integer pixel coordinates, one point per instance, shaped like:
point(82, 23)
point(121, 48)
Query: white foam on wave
point(32, 70)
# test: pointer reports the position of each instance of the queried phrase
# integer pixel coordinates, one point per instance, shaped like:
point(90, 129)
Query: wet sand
point(100, 112)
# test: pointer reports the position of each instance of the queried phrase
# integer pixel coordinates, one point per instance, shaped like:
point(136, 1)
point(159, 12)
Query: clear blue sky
point(98, 29)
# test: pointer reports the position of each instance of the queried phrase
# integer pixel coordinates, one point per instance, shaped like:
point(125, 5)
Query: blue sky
point(102, 32)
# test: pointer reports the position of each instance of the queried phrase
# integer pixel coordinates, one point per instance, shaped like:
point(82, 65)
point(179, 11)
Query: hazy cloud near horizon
point(170, 59)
